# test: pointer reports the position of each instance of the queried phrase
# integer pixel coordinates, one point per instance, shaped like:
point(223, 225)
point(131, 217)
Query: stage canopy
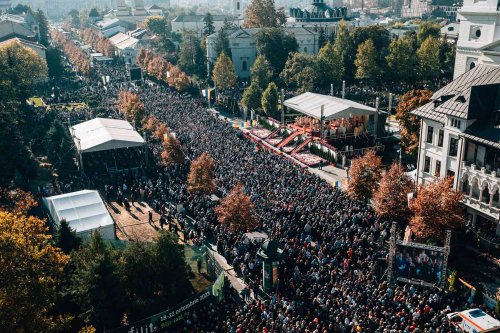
point(105, 134)
point(83, 210)
point(334, 107)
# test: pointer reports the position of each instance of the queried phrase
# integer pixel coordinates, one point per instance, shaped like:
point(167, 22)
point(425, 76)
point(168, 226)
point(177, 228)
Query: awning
point(105, 134)
point(334, 107)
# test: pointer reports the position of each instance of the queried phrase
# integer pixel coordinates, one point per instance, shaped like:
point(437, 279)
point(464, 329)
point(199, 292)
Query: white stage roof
point(105, 134)
point(83, 210)
point(334, 107)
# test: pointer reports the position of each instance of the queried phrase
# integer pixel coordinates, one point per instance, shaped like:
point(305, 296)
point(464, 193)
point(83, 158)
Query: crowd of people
point(331, 272)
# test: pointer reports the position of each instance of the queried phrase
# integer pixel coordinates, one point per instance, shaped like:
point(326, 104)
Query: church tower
point(479, 35)
point(237, 8)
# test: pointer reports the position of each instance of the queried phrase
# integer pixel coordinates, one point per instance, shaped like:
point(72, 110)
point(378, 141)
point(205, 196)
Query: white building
point(37, 47)
point(22, 26)
point(244, 51)
point(196, 23)
point(126, 45)
point(479, 36)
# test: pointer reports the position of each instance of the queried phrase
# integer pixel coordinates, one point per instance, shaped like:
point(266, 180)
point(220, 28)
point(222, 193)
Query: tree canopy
point(269, 40)
point(235, 210)
point(263, 14)
point(261, 71)
point(364, 176)
point(202, 174)
point(224, 74)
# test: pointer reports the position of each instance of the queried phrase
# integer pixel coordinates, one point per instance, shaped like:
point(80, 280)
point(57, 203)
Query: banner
point(166, 319)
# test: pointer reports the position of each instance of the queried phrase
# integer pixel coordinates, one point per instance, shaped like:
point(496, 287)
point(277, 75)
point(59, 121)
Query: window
point(244, 65)
point(437, 169)
point(430, 132)
point(456, 123)
point(472, 65)
point(453, 146)
point(440, 138)
point(427, 164)
point(238, 5)
point(451, 174)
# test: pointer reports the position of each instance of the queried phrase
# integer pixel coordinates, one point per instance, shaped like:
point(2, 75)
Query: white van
point(474, 321)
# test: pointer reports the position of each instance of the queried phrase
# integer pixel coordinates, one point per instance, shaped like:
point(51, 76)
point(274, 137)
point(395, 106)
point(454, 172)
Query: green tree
point(158, 25)
point(428, 58)
point(96, 285)
point(300, 72)
point(263, 14)
point(66, 238)
point(427, 29)
point(261, 71)
point(191, 56)
point(252, 96)
point(330, 65)
point(269, 40)
point(94, 14)
point(270, 99)
point(75, 18)
point(43, 28)
point(447, 53)
point(209, 27)
point(366, 61)
point(54, 62)
point(60, 149)
point(222, 43)
point(344, 47)
point(223, 74)
point(401, 60)
point(20, 70)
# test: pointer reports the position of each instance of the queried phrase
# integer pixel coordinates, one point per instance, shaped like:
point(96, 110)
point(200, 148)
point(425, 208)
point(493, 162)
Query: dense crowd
point(334, 254)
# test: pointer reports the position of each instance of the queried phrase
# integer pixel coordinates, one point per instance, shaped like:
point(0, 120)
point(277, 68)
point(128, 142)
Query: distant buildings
point(37, 47)
point(318, 12)
point(196, 22)
point(20, 26)
point(243, 46)
point(5, 4)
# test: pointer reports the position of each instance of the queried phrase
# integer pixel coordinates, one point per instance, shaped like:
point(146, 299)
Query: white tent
point(104, 134)
point(83, 210)
point(334, 107)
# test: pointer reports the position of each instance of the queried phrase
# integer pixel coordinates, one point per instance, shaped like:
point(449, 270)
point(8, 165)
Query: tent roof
point(104, 134)
point(83, 210)
point(334, 107)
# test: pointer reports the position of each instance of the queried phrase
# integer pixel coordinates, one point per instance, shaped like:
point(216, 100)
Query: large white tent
point(105, 134)
point(83, 210)
point(334, 107)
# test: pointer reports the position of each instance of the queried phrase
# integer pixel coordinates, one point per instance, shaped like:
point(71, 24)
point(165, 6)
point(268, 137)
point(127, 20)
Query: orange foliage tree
point(201, 175)
point(17, 200)
point(390, 198)
point(409, 124)
point(235, 210)
point(365, 173)
point(172, 151)
point(74, 53)
point(157, 128)
point(131, 107)
point(436, 209)
point(98, 42)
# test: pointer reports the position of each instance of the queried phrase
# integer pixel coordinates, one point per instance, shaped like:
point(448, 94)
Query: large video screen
point(135, 74)
point(418, 264)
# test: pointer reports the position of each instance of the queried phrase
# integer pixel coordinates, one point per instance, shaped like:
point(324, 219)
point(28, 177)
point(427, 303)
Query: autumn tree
point(436, 208)
point(366, 61)
point(364, 176)
point(178, 79)
point(263, 14)
point(224, 74)
point(270, 99)
point(235, 210)
point(31, 272)
point(17, 200)
point(131, 107)
point(202, 174)
point(408, 123)
point(172, 151)
point(252, 97)
point(389, 199)
point(262, 71)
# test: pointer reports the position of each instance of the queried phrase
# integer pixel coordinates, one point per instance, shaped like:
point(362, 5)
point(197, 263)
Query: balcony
point(481, 189)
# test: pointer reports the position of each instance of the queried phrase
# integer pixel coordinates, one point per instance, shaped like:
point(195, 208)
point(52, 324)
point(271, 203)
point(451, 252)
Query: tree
point(447, 53)
point(428, 58)
point(366, 61)
point(427, 29)
point(330, 65)
point(223, 73)
point(209, 27)
point(75, 18)
point(172, 151)
point(389, 199)
point(66, 238)
point(401, 60)
point(380, 37)
point(60, 149)
point(235, 210)
point(32, 270)
point(94, 14)
point(408, 123)
point(201, 175)
point(436, 208)
point(364, 176)
point(17, 201)
point(300, 72)
point(54, 62)
point(158, 25)
point(222, 43)
point(262, 14)
point(131, 107)
point(95, 284)
point(261, 71)
point(178, 79)
point(252, 96)
point(270, 99)
point(269, 40)
point(20, 70)
point(343, 45)
point(43, 28)
point(191, 56)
